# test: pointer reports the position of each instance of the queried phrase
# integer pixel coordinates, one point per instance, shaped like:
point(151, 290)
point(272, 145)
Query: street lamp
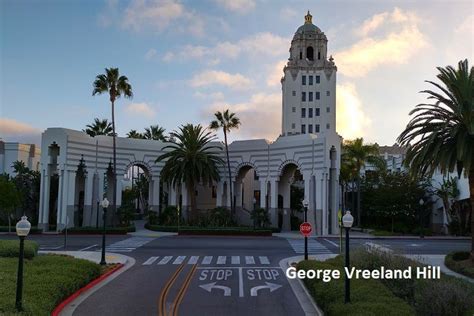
point(347, 221)
point(22, 229)
point(422, 202)
point(105, 204)
point(305, 205)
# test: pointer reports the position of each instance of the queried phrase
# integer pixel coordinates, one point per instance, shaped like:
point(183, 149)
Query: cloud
point(288, 13)
point(212, 96)
point(260, 44)
point(239, 6)
point(397, 41)
point(260, 108)
point(351, 121)
point(458, 47)
point(141, 109)
point(214, 77)
point(15, 131)
point(274, 78)
point(150, 54)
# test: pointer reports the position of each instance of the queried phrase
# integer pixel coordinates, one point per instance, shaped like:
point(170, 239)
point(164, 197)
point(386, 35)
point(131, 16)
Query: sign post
point(305, 230)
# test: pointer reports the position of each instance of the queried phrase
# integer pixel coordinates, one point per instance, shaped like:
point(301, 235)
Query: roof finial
point(308, 18)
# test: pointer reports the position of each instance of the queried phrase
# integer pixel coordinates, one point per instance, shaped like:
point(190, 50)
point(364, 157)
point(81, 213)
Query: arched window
point(301, 55)
point(319, 55)
point(310, 53)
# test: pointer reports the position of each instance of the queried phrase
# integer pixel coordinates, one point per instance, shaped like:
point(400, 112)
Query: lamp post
point(105, 204)
point(305, 205)
point(347, 221)
point(22, 229)
point(422, 202)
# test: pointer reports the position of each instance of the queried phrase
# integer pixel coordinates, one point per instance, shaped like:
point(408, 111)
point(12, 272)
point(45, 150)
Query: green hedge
point(368, 297)
point(48, 280)
point(194, 230)
point(95, 230)
point(11, 248)
point(460, 262)
point(33, 230)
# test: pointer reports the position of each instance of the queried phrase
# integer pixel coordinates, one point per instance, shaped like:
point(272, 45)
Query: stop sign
point(306, 229)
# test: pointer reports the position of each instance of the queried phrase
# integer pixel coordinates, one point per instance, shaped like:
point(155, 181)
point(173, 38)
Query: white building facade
point(262, 171)
point(11, 152)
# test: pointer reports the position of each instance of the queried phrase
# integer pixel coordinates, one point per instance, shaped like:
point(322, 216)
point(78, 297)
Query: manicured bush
point(11, 248)
point(169, 216)
point(98, 230)
point(460, 262)
point(232, 231)
point(33, 230)
point(48, 280)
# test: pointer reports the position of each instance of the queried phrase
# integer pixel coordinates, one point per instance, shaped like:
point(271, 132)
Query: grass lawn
point(11, 248)
point(460, 262)
point(48, 280)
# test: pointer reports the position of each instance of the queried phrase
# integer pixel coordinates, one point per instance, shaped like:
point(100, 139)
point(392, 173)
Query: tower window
point(293, 125)
point(293, 109)
point(310, 53)
point(316, 128)
point(328, 109)
point(310, 79)
point(317, 95)
point(303, 112)
point(317, 112)
point(303, 129)
point(303, 80)
point(319, 55)
point(303, 96)
point(310, 128)
point(328, 126)
point(301, 55)
point(310, 113)
point(310, 96)
point(293, 93)
point(318, 79)
point(328, 93)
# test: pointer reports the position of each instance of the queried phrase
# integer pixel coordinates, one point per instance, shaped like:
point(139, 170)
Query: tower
point(309, 84)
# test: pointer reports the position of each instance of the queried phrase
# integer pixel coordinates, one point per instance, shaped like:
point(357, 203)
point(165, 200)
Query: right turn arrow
point(271, 286)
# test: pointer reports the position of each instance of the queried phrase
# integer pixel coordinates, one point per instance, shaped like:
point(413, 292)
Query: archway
point(53, 186)
point(247, 188)
point(136, 187)
point(291, 194)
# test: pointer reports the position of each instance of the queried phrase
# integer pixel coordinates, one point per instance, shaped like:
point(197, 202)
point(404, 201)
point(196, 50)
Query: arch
point(143, 164)
point(286, 163)
point(242, 165)
point(310, 53)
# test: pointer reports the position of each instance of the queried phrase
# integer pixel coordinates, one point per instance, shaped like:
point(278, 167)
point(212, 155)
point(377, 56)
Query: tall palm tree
point(155, 132)
point(227, 121)
point(134, 134)
point(99, 127)
point(359, 154)
point(191, 159)
point(116, 86)
point(441, 135)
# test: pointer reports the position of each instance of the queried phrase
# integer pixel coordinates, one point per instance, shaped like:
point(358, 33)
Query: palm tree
point(191, 159)
point(358, 154)
point(116, 86)
point(227, 121)
point(134, 134)
point(155, 132)
point(440, 136)
point(99, 127)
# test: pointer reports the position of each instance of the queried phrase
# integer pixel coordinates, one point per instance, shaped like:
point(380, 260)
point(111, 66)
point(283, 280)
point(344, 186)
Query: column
point(185, 205)
point(308, 196)
point(100, 195)
point(219, 189)
point(69, 197)
point(87, 217)
point(172, 195)
point(154, 191)
point(284, 190)
point(333, 193)
point(238, 195)
point(119, 190)
point(44, 200)
point(274, 202)
point(227, 194)
point(59, 213)
point(263, 192)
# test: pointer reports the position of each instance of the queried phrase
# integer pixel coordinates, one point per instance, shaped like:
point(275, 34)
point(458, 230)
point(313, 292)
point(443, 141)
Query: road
point(211, 275)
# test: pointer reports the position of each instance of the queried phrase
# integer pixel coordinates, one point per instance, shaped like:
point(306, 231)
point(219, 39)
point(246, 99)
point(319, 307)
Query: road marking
point(193, 260)
point(234, 267)
point(164, 292)
point(84, 249)
point(207, 260)
point(50, 247)
point(165, 260)
point(241, 283)
point(332, 242)
point(314, 247)
point(271, 286)
point(249, 260)
point(208, 287)
point(129, 245)
point(264, 260)
point(179, 259)
point(221, 259)
point(182, 290)
point(235, 260)
point(150, 261)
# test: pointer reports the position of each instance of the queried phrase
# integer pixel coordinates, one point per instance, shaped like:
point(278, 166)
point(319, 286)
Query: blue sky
point(186, 59)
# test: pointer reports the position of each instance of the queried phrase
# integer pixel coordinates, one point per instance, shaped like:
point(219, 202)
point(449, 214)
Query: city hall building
point(77, 172)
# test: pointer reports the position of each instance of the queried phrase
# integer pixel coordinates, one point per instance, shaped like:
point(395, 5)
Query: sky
point(187, 59)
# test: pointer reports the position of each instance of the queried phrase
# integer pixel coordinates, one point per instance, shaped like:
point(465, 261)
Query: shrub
point(169, 216)
point(460, 262)
point(11, 248)
point(260, 216)
point(460, 255)
point(126, 213)
point(152, 217)
point(220, 217)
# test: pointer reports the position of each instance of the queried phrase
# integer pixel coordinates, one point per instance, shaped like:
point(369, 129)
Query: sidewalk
point(438, 260)
point(360, 235)
point(93, 256)
point(141, 231)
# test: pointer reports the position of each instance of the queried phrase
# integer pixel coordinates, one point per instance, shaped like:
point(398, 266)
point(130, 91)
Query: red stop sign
point(306, 229)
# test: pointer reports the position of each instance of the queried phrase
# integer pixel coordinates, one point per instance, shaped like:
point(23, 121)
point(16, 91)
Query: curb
point(57, 311)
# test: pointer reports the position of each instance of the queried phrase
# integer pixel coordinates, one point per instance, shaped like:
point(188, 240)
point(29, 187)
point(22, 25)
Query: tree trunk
point(114, 175)
point(230, 175)
point(471, 190)
point(358, 202)
point(192, 199)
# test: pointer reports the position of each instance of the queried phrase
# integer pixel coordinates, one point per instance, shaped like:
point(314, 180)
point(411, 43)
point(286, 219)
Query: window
point(310, 129)
point(310, 53)
point(319, 55)
point(328, 126)
point(301, 55)
point(303, 129)
point(310, 112)
point(303, 80)
point(310, 80)
point(328, 109)
point(303, 112)
point(293, 125)
point(316, 128)
point(317, 112)
point(303, 96)
point(214, 192)
point(293, 109)
point(318, 79)
point(317, 95)
point(293, 93)
point(328, 93)
point(310, 96)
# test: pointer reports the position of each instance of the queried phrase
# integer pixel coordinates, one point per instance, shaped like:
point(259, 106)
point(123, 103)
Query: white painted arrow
point(271, 286)
point(210, 286)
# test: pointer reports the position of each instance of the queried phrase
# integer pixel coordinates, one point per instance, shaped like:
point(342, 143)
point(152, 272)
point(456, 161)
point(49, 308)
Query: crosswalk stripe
point(264, 260)
point(179, 259)
point(165, 260)
point(249, 260)
point(193, 260)
point(207, 260)
point(221, 259)
point(235, 260)
point(150, 261)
